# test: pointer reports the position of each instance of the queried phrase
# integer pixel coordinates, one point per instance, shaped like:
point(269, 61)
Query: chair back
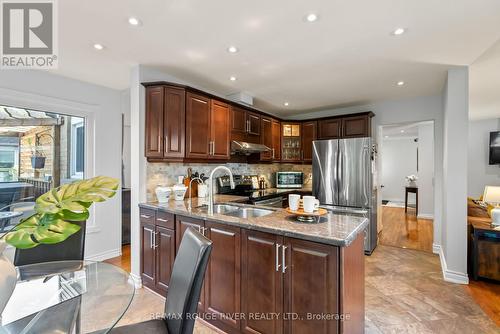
point(186, 281)
point(71, 249)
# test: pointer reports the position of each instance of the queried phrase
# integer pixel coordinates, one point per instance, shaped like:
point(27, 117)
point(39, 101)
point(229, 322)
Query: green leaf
point(78, 196)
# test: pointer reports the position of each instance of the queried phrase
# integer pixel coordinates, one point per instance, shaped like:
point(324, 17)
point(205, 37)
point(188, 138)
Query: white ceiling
point(347, 57)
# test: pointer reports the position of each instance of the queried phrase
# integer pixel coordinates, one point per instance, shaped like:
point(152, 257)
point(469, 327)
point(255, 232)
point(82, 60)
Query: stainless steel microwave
point(289, 179)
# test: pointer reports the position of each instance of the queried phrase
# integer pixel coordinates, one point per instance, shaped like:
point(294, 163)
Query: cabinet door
point(148, 255)
point(222, 279)
point(220, 135)
point(311, 286)
point(308, 135)
point(165, 252)
point(261, 282)
point(253, 132)
point(276, 140)
point(356, 126)
point(197, 126)
point(155, 98)
point(291, 142)
point(181, 225)
point(238, 120)
point(329, 128)
point(174, 123)
point(266, 138)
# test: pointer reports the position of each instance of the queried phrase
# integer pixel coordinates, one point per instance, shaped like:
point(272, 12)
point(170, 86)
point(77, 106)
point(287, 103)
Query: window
point(77, 148)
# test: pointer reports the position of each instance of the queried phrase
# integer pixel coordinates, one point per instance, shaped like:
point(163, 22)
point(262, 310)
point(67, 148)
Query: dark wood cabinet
point(310, 286)
point(148, 263)
point(261, 282)
point(220, 135)
point(356, 126)
point(222, 278)
point(308, 135)
point(198, 126)
point(329, 129)
point(245, 125)
point(157, 249)
point(266, 138)
point(165, 122)
point(291, 142)
point(155, 98)
point(276, 134)
point(165, 253)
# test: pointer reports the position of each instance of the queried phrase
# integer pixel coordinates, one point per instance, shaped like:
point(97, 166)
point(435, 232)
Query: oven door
point(276, 202)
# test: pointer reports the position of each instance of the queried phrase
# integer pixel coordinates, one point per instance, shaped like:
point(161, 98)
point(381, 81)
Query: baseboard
point(436, 248)
point(136, 280)
point(105, 255)
point(451, 275)
point(425, 216)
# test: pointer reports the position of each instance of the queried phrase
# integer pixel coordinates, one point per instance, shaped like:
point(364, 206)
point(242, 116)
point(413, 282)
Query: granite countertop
point(333, 229)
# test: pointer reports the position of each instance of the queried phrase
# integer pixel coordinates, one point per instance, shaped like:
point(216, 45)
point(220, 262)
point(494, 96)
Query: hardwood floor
point(405, 230)
point(405, 293)
point(122, 261)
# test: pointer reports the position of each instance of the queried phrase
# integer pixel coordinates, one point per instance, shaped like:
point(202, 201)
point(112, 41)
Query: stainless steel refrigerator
point(343, 180)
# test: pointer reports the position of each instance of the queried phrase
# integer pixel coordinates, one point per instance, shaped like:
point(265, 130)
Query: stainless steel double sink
point(238, 211)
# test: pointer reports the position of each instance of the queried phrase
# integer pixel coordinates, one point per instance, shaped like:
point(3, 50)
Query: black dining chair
point(71, 249)
point(183, 291)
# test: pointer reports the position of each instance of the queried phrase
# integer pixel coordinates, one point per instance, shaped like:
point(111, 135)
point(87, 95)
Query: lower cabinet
point(157, 251)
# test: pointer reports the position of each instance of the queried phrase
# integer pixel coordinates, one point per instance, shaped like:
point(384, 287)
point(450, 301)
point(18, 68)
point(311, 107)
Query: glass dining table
point(67, 297)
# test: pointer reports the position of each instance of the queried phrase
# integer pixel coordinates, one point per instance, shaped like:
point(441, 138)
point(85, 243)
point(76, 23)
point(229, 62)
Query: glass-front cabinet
point(291, 142)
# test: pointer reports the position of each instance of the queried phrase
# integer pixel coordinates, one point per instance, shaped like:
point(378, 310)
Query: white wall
point(454, 228)
point(426, 170)
point(408, 110)
point(102, 108)
point(480, 172)
point(399, 159)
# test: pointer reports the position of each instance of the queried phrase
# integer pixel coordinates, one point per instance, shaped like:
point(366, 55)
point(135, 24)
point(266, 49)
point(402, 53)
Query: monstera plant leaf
point(57, 209)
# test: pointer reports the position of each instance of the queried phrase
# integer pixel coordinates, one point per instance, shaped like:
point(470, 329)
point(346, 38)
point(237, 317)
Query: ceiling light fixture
point(232, 78)
point(402, 131)
point(286, 104)
point(134, 21)
point(311, 17)
point(399, 31)
point(98, 46)
point(232, 49)
point(400, 83)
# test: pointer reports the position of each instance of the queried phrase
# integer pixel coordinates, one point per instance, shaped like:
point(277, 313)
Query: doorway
point(407, 185)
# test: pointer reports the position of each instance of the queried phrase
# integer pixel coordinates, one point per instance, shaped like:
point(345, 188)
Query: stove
point(248, 186)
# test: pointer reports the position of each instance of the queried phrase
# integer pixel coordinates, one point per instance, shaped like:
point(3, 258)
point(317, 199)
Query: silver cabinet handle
point(154, 240)
point(203, 230)
point(277, 265)
point(150, 237)
point(165, 145)
point(283, 259)
point(213, 148)
point(159, 143)
point(273, 153)
point(145, 216)
point(248, 125)
point(162, 220)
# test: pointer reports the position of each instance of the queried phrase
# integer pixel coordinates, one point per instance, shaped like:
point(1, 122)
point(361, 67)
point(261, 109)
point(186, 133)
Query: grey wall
point(480, 173)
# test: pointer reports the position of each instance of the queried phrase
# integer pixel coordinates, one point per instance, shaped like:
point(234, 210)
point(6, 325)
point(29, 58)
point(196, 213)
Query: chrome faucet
point(211, 187)
point(200, 181)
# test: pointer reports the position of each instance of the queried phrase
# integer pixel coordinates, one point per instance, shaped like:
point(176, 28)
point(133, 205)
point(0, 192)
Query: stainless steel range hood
point(247, 148)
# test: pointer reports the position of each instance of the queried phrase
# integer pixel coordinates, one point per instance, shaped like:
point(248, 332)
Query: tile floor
point(405, 293)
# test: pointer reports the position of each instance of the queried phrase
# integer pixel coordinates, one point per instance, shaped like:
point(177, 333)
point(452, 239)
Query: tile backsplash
point(166, 173)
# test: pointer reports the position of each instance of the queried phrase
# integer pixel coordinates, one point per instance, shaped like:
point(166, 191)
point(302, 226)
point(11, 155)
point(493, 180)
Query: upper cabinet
point(351, 126)
point(276, 134)
point(245, 125)
point(271, 137)
point(165, 122)
point(207, 128)
point(308, 135)
point(291, 142)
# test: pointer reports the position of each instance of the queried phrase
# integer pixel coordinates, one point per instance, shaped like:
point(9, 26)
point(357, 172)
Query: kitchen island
point(267, 274)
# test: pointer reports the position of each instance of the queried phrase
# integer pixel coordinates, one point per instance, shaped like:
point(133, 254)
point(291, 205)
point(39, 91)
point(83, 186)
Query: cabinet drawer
point(165, 219)
point(147, 216)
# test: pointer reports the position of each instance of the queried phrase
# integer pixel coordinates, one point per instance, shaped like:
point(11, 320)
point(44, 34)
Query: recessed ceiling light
point(286, 104)
point(400, 83)
point(232, 78)
point(386, 136)
point(134, 21)
point(311, 17)
point(98, 46)
point(399, 31)
point(232, 49)
point(402, 131)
